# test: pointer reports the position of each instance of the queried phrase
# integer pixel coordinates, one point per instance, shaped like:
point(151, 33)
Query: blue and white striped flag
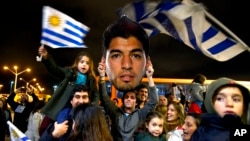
point(60, 30)
point(16, 134)
point(138, 9)
point(187, 23)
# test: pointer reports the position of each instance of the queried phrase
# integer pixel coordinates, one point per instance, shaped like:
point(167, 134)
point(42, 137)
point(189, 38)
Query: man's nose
point(126, 62)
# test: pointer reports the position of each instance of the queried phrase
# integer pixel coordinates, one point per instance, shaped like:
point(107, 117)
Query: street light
point(1, 86)
point(27, 82)
point(16, 73)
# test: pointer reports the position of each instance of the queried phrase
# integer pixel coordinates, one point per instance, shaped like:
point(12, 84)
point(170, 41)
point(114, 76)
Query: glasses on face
point(79, 96)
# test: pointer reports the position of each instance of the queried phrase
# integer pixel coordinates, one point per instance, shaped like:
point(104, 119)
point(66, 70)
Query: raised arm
point(109, 106)
point(149, 73)
point(153, 96)
point(50, 64)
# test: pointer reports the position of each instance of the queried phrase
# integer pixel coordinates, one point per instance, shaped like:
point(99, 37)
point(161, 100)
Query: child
point(227, 103)
point(81, 72)
point(196, 90)
point(155, 128)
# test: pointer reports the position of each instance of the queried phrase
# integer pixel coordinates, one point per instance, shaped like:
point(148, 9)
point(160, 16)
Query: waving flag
point(16, 134)
point(138, 9)
point(187, 23)
point(60, 30)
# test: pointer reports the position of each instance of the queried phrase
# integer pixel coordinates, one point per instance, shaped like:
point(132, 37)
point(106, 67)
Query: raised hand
point(149, 68)
point(101, 67)
point(42, 51)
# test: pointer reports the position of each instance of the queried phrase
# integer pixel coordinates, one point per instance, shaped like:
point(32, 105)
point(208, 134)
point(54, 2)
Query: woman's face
point(172, 113)
point(189, 127)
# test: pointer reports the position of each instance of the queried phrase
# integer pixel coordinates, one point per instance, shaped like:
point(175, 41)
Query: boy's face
point(125, 62)
point(229, 100)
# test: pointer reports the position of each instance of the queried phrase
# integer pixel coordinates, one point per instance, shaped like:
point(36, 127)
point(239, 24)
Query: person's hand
point(101, 68)
point(60, 129)
point(149, 69)
point(43, 52)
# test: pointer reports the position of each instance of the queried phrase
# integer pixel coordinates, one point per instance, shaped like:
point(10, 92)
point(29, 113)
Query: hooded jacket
point(216, 128)
point(222, 82)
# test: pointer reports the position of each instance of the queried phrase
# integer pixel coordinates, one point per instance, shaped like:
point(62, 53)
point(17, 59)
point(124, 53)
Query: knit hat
point(222, 82)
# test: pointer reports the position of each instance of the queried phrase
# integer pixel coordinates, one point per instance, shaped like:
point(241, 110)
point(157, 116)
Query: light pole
point(16, 73)
point(27, 82)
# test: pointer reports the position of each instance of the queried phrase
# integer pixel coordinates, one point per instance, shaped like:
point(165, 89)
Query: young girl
point(81, 72)
point(154, 128)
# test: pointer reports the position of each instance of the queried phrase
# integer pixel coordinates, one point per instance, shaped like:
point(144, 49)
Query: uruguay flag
point(187, 23)
point(60, 30)
point(16, 134)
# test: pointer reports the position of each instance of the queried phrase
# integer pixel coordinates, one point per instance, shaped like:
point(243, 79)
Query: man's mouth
point(126, 78)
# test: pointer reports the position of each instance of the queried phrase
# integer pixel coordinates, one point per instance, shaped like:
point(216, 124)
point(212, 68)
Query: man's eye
point(115, 56)
point(138, 56)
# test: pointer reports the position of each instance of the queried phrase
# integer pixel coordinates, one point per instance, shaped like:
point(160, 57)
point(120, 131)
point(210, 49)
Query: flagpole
point(221, 25)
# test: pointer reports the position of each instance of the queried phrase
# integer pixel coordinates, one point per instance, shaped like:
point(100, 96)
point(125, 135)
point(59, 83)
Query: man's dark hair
point(126, 92)
point(79, 88)
point(140, 86)
point(125, 27)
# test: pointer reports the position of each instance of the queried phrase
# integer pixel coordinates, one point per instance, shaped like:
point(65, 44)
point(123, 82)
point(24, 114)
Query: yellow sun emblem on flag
point(54, 20)
point(14, 133)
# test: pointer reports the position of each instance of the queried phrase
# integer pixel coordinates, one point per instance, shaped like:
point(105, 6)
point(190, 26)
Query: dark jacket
point(146, 136)
point(21, 119)
point(64, 90)
point(123, 127)
point(215, 128)
point(3, 125)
